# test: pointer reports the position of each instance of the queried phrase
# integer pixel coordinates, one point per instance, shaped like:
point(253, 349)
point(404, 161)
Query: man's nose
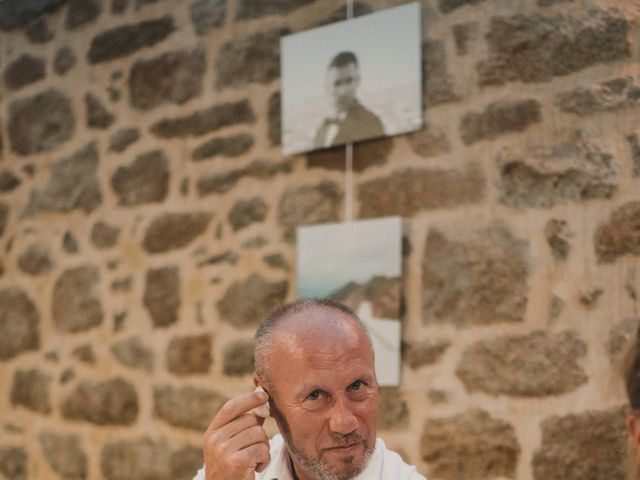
point(342, 418)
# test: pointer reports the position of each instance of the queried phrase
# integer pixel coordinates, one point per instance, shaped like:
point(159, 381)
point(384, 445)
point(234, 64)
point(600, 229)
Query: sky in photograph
point(331, 255)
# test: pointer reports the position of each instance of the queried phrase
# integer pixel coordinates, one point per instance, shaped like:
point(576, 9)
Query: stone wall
point(147, 221)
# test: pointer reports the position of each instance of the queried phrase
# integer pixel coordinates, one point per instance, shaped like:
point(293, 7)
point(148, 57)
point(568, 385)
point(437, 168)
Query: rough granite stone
point(225, 257)
point(142, 459)
point(499, 118)
point(189, 407)
point(73, 184)
point(126, 39)
point(38, 31)
point(542, 176)
point(123, 138)
point(162, 295)
point(429, 142)
point(206, 121)
point(23, 71)
point(535, 365)
point(465, 35)
point(69, 243)
point(438, 84)
point(232, 146)
point(274, 119)
point(97, 114)
point(19, 321)
point(474, 277)
point(536, 48)
point(189, 354)
point(427, 352)
point(85, 354)
point(19, 14)
point(620, 336)
point(8, 181)
point(248, 9)
point(634, 145)
point(308, 205)
point(40, 123)
point(35, 260)
point(393, 408)
point(118, 7)
point(246, 212)
point(238, 358)
point(408, 191)
point(185, 461)
point(145, 180)
point(620, 235)
point(447, 6)
point(611, 95)
point(14, 462)
point(76, 302)
point(365, 154)
point(81, 12)
point(104, 235)
point(223, 182)
point(469, 445)
point(558, 233)
point(4, 217)
point(173, 78)
point(108, 402)
point(585, 446)
point(247, 302)
point(133, 353)
point(65, 455)
point(254, 59)
point(64, 60)
point(208, 14)
point(277, 261)
point(30, 389)
point(359, 8)
point(170, 231)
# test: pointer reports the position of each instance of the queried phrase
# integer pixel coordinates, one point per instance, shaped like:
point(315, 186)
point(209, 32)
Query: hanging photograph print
point(359, 264)
point(352, 80)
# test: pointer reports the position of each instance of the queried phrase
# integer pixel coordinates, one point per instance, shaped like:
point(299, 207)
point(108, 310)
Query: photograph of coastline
point(359, 264)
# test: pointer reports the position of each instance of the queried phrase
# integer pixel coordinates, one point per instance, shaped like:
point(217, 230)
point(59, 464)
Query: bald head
point(303, 320)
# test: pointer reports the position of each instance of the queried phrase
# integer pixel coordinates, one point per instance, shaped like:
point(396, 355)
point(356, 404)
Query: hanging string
point(348, 204)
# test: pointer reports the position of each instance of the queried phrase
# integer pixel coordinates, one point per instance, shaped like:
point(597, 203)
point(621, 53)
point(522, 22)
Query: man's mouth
point(344, 448)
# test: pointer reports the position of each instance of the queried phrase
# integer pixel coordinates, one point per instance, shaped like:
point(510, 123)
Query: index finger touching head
point(236, 407)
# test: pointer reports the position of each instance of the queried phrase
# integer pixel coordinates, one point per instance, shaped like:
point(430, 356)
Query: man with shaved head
point(314, 361)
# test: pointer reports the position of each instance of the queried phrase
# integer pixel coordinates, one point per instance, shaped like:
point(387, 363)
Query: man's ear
point(633, 429)
point(256, 380)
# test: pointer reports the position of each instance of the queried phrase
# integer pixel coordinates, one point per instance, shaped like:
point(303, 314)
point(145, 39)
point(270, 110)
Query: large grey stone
point(253, 59)
point(247, 302)
point(469, 445)
point(76, 302)
point(40, 123)
point(474, 277)
point(232, 146)
point(238, 358)
point(206, 120)
point(8, 180)
point(133, 353)
point(225, 181)
point(408, 191)
point(634, 145)
point(558, 234)
point(19, 321)
point(208, 14)
point(427, 352)
point(64, 60)
point(14, 462)
point(35, 260)
point(173, 77)
point(4, 217)
point(81, 12)
point(19, 14)
point(429, 142)
point(108, 402)
point(611, 95)
point(162, 295)
point(393, 408)
point(499, 118)
point(30, 389)
point(585, 446)
point(145, 180)
point(246, 212)
point(65, 455)
point(24, 70)
point(535, 365)
point(438, 84)
point(536, 48)
point(620, 235)
point(171, 231)
point(73, 184)
point(126, 39)
point(189, 407)
point(465, 36)
point(545, 175)
point(38, 31)
point(97, 114)
point(104, 235)
point(123, 138)
point(142, 459)
point(307, 205)
point(257, 8)
point(189, 354)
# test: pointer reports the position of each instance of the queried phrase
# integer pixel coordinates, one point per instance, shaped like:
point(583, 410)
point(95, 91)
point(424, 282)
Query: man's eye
point(357, 385)
point(315, 395)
